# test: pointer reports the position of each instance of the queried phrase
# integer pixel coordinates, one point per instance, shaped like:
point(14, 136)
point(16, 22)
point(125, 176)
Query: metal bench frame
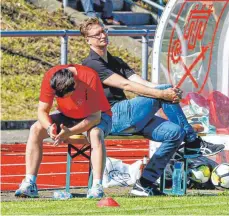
point(79, 144)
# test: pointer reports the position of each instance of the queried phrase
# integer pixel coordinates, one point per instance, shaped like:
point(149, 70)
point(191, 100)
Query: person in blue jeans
point(137, 115)
point(105, 6)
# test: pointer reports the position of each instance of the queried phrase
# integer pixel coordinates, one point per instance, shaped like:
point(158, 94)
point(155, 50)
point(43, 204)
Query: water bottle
point(177, 178)
point(61, 195)
point(144, 162)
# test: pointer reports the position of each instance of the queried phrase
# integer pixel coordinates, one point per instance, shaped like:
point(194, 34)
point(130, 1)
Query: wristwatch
point(48, 129)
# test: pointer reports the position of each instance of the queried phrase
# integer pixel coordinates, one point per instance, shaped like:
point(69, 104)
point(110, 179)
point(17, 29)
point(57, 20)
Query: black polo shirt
point(105, 70)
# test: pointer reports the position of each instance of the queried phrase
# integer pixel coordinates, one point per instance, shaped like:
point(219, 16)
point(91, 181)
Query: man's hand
point(170, 95)
point(52, 131)
point(63, 135)
point(179, 92)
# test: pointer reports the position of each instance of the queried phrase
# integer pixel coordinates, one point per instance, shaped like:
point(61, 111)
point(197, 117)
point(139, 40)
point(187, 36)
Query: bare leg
point(98, 153)
point(34, 148)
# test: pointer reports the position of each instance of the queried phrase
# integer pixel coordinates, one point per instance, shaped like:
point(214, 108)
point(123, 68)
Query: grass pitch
point(169, 205)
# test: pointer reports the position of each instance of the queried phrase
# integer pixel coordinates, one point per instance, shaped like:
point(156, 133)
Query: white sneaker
point(27, 189)
point(95, 192)
point(145, 191)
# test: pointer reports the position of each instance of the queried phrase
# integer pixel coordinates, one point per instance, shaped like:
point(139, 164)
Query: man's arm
point(43, 114)
point(118, 81)
point(45, 120)
point(84, 125)
point(136, 78)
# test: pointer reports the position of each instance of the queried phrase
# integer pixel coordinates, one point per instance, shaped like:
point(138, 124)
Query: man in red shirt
point(82, 107)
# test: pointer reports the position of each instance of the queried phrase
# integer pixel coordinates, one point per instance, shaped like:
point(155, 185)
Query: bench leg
point(90, 179)
point(185, 175)
point(69, 160)
point(90, 176)
point(162, 182)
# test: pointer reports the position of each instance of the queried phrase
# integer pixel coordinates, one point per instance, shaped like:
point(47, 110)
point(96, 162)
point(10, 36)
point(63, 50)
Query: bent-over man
point(82, 107)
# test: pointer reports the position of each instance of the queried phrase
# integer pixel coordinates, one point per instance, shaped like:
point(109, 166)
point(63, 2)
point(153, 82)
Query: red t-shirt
point(85, 100)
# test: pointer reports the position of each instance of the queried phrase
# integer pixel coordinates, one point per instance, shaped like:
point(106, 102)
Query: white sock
point(96, 181)
point(31, 178)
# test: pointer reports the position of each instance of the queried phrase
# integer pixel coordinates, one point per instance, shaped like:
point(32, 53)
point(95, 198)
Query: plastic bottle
point(61, 195)
point(177, 178)
point(144, 162)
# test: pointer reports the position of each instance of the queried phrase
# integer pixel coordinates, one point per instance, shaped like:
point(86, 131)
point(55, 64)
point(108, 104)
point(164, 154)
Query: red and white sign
point(193, 35)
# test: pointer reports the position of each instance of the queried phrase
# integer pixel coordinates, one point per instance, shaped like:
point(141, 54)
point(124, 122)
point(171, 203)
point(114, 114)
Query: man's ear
point(87, 40)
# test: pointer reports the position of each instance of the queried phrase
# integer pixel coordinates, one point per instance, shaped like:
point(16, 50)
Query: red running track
point(52, 171)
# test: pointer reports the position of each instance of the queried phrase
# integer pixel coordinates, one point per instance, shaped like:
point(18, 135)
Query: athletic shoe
point(192, 149)
point(95, 192)
point(112, 21)
point(27, 189)
point(200, 147)
point(192, 153)
point(187, 152)
point(209, 149)
point(140, 190)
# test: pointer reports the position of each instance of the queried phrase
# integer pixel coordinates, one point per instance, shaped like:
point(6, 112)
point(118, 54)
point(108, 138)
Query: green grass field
point(169, 205)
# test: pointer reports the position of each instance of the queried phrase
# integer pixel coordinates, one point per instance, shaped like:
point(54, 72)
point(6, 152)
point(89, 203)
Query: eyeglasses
point(99, 34)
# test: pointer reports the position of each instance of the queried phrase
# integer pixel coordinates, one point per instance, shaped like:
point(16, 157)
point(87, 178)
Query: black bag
point(192, 164)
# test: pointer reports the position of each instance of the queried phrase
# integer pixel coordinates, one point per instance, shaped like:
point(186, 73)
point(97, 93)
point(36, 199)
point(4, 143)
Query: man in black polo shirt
point(137, 115)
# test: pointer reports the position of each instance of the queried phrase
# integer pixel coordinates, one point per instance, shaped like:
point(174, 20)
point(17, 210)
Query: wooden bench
point(80, 145)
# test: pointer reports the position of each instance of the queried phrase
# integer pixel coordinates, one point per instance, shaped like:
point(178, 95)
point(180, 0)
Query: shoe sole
point(99, 197)
point(26, 196)
point(138, 193)
point(94, 197)
point(192, 156)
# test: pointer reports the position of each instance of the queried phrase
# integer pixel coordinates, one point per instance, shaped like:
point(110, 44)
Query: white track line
point(48, 163)
point(64, 153)
point(37, 184)
point(22, 164)
point(45, 174)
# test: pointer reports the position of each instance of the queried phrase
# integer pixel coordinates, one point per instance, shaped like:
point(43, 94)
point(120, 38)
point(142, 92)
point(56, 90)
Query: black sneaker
point(208, 149)
point(192, 149)
point(200, 147)
point(192, 152)
point(139, 190)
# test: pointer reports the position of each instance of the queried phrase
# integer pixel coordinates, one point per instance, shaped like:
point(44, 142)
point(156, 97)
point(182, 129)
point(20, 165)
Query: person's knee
point(96, 137)
point(36, 129)
point(35, 140)
point(176, 133)
point(147, 104)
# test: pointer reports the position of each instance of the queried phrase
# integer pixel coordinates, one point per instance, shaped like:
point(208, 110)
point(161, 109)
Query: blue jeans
point(89, 8)
point(138, 115)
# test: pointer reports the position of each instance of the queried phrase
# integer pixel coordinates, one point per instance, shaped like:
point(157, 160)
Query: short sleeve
point(46, 93)
point(101, 68)
point(125, 69)
point(95, 91)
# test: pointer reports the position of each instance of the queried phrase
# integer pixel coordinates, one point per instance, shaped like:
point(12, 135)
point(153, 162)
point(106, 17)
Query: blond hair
point(86, 25)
